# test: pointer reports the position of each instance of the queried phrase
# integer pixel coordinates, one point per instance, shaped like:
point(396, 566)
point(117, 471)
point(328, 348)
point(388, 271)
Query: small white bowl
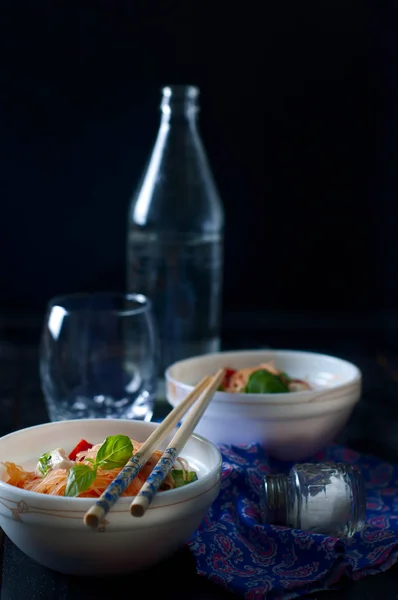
point(50, 529)
point(290, 426)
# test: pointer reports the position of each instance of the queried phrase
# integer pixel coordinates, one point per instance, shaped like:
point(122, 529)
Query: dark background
point(299, 121)
point(297, 118)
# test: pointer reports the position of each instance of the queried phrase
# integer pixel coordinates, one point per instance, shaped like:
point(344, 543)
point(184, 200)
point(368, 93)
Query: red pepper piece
point(80, 447)
point(227, 377)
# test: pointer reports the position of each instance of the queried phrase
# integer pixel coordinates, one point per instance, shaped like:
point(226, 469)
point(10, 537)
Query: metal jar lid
point(273, 499)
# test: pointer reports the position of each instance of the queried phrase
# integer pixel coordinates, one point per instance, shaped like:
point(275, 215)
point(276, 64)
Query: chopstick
point(98, 511)
point(146, 494)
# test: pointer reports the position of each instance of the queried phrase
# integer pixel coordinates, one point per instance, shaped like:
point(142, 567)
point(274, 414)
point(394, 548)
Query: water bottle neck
point(180, 104)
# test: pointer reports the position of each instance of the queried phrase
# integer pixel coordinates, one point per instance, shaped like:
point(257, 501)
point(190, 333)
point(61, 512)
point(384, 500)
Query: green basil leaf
point(44, 463)
point(114, 452)
point(178, 476)
point(264, 382)
point(284, 376)
point(80, 478)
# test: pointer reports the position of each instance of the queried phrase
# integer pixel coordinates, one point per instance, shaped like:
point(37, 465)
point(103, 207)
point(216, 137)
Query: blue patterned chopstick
point(146, 494)
point(154, 481)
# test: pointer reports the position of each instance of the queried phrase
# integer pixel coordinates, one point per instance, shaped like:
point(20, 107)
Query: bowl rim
point(166, 499)
point(298, 412)
point(285, 398)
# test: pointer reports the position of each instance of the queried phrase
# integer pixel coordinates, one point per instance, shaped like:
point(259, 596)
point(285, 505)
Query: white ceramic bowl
point(50, 529)
point(290, 426)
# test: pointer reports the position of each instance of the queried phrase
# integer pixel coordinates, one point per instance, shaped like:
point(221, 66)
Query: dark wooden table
point(373, 429)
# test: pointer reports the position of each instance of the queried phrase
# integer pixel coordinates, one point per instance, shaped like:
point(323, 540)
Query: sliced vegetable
point(178, 476)
point(44, 463)
point(285, 379)
point(82, 446)
point(80, 478)
point(227, 376)
point(264, 382)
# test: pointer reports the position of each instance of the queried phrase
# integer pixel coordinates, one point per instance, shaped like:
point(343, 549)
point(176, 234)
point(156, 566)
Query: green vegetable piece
point(178, 476)
point(284, 376)
point(114, 452)
point(44, 463)
point(264, 382)
point(80, 478)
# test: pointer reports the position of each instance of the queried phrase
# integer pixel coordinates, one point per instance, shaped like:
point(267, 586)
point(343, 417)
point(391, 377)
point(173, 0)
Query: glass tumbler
point(99, 357)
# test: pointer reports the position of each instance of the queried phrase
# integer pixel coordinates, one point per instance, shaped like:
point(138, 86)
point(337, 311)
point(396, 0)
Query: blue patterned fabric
point(259, 561)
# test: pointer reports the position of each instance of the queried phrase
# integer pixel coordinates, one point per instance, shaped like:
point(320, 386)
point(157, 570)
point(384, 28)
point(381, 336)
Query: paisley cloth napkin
point(258, 561)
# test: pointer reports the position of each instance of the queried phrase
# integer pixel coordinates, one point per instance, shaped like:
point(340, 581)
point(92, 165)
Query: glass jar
point(322, 498)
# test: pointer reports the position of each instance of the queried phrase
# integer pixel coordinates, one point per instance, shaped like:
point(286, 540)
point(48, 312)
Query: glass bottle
point(322, 498)
point(175, 234)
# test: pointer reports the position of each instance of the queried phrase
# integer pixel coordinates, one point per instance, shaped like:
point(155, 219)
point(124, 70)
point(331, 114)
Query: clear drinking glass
point(98, 357)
